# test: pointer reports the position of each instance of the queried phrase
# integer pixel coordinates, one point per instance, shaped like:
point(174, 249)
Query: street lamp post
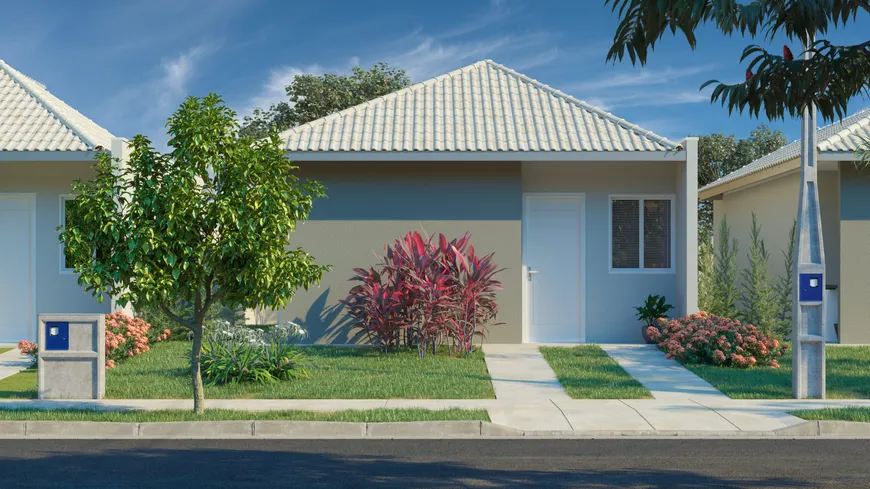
point(808, 317)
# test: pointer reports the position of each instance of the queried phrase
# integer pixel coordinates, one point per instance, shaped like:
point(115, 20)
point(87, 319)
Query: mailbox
point(56, 335)
point(72, 356)
point(812, 287)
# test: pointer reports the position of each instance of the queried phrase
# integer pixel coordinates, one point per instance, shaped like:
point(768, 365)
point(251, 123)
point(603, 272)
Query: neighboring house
point(588, 213)
point(44, 146)
point(769, 187)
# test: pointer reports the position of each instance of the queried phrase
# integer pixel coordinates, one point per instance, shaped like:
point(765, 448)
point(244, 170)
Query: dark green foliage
point(726, 293)
point(779, 86)
point(759, 298)
point(785, 294)
point(311, 97)
point(180, 332)
point(233, 363)
point(653, 309)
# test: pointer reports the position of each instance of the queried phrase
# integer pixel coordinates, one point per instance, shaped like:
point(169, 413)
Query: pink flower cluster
point(28, 348)
point(705, 338)
point(127, 337)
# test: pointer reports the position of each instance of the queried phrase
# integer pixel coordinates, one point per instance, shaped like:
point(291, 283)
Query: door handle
point(532, 272)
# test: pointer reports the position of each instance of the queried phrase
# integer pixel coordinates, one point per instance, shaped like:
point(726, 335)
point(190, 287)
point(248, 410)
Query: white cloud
point(647, 88)
point(273, 91)
point(643, 79)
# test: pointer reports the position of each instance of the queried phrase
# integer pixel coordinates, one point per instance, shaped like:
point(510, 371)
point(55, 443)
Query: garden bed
point(587, 372)
point(848, 376)
point(136, 416)
point(335, 373)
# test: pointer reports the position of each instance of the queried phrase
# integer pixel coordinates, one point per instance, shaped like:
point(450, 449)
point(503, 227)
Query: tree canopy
point(209, 222)
point(778, 85)
point(311, 97)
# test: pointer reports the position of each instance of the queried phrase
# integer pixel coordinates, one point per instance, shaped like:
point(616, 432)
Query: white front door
point(16, 268)
point(552, 252)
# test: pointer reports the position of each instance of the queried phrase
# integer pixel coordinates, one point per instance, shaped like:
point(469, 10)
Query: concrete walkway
point(520, 373)
point(665, 379)
point(13, 362)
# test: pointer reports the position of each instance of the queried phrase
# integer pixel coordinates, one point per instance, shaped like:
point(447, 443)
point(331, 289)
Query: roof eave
point(48, 155)
point(652, 156)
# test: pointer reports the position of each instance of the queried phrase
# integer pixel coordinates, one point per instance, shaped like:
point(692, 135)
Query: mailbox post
point(72, 356)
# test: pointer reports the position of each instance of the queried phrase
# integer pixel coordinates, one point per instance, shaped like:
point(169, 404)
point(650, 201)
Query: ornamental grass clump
point(705, 338)
point(235, 354)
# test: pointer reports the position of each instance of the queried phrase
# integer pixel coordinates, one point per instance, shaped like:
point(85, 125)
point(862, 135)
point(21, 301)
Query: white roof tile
point(32, 119)
point(845, 136)
point(481, 107)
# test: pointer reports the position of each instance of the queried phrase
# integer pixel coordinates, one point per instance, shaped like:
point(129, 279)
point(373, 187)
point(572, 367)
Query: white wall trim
point(61, 214)
point(614, 156)
point(673, 237)
point(581, 200)
point(31, 198)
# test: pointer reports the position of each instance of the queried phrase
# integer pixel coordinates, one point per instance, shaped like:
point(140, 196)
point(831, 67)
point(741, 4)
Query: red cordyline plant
point(427, 291)
point(705, 338)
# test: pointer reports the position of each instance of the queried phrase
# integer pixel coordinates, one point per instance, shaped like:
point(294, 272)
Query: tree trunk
point(195, 373)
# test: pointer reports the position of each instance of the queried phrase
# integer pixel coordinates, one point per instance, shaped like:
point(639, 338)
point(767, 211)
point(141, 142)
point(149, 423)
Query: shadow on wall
point(329, 324)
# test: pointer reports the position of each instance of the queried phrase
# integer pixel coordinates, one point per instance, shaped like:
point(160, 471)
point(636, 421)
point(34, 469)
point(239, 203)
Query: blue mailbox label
point(56, 335)
point(812, 287)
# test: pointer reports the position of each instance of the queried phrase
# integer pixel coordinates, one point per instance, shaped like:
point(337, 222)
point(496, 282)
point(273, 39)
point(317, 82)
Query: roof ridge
point(585, 105)
point(49, 106)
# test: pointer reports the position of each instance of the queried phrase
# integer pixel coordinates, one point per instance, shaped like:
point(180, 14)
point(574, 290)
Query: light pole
point(808, 314)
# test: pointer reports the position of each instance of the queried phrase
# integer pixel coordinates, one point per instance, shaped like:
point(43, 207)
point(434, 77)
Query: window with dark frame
point(640, 234)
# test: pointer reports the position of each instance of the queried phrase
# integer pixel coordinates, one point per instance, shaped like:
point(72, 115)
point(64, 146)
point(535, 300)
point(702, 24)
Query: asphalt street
point(433, 463)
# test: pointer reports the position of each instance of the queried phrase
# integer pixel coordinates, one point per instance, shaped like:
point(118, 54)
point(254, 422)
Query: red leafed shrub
point(127, 336)
point(705, 338)
point(425, 292)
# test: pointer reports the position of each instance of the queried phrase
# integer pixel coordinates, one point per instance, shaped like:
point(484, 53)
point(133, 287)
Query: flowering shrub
point(29, 348)
point(705, 338)
point(127, 337)
point(233, 354)
point(427, 291)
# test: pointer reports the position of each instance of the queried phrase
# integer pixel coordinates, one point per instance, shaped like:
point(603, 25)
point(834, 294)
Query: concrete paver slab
point(680, 416)
point(595, 415)
point(540, 416)
point(12, 362)
point(519, 372)
point(665, 379)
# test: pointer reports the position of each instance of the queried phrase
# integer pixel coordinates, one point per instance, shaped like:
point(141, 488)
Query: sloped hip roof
point(481, 107)
point(32, 119)
point(845, 136)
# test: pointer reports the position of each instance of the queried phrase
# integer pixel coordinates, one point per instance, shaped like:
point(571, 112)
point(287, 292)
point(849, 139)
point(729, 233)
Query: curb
point(199, 430)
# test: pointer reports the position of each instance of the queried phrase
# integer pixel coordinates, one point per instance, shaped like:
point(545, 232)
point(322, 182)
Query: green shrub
point(759, 298)
point(725, 291)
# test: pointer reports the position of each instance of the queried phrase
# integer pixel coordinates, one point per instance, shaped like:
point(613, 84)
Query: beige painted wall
point(56, 291)
point(855, 255)
point(775, 205)
point(371, 204)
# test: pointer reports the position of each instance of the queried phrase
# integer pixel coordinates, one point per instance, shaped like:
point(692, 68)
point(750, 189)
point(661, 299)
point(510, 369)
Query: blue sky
point(127, 64)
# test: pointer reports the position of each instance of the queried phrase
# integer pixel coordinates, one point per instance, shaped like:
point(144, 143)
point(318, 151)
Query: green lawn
point(336, 373)
point(861, 414)
point(587, 372)
point(360, 416)
point(848, 376)
point(4, 350)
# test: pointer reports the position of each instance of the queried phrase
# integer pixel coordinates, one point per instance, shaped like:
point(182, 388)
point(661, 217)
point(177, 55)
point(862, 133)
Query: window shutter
point(625, 234)
point(657, 234)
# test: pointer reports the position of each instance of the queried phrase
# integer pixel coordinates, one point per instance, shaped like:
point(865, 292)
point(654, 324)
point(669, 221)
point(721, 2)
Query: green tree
point(779, 85)
point(785, 294)
point(720, 154)
point(706, 277)
point(726, 292)
point(207, 223)
point(314, 96)
point(759, 298)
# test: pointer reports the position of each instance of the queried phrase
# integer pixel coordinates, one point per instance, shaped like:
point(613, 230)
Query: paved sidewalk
point(520, 373)
point(665, 379)
point(13, 362)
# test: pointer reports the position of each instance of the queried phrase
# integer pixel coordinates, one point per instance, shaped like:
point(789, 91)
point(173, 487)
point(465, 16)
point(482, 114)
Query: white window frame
point(641, 270)
point(62, 213)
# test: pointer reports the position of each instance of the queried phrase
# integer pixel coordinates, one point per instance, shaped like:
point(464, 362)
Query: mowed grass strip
point(135, 416)
point(847, 371)
point(860, 414)
point(587, 372)
point(335, 373)
point(19, 386)
point(4, 350)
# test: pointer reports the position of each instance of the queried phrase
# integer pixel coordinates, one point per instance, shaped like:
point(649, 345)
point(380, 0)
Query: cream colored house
point(769, 187)
point(44, 145)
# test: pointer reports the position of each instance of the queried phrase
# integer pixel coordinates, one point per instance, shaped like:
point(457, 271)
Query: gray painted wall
point(610, 298)
point(855, 254)
point(371, 204)
point(56, 292)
